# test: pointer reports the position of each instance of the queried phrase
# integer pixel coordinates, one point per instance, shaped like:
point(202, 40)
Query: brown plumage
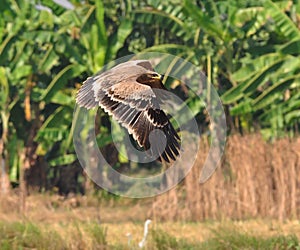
point(132, 93)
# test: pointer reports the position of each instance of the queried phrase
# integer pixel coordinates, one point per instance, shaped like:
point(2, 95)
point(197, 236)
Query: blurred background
point(249, 51)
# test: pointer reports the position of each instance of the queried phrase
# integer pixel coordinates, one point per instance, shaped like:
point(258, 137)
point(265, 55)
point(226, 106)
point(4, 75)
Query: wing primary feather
point(126, 114)
point(130, 116)
point(85, 96)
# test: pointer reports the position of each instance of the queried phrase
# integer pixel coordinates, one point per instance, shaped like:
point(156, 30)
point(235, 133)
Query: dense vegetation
point(249, 51)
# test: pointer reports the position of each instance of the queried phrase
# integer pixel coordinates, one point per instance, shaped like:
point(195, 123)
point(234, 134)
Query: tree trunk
point(22, 181)
point(5, 184)
point(4, 172)
point(4, 168)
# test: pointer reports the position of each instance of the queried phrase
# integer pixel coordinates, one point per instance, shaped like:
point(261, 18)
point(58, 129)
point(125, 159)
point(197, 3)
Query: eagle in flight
point(132, 93)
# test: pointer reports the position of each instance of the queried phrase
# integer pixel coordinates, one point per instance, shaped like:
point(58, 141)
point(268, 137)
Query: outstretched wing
point(136, 107)
point(87, 96)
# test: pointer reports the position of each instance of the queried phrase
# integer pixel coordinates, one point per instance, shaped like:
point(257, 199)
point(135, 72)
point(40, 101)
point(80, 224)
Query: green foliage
point(226, 238)
point(248, 49)
point(44, 54)
point(26, 235)
point(162, 240)
point(268, 80)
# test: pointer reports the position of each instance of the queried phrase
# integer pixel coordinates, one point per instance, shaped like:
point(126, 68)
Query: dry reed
point(256, 179)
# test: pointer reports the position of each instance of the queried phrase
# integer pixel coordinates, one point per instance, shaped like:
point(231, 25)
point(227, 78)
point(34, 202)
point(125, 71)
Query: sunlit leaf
point(283, 23)
point(49, 61)
point(295, 114)
point(251, 85)
point(63, 160)
point(60, 80)
point(273, 92)
point(242, 108)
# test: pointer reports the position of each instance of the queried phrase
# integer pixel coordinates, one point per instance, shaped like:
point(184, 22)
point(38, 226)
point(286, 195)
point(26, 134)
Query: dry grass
point(80, 222)
point(256, 180)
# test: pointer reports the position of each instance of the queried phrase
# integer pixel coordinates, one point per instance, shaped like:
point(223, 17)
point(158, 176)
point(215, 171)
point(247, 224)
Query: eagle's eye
point(154, 76)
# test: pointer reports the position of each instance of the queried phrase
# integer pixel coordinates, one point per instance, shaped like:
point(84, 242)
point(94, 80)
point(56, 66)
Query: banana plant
point(244, 49)
point(265, 88)
point(7, 157)
point(12, 82)
point(97, 42)
point(45, 51)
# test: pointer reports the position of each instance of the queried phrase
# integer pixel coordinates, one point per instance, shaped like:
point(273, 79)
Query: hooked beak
point(158, 77)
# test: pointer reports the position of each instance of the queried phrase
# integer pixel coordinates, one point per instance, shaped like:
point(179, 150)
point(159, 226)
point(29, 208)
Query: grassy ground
point(91, 235)
point(82, 223)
